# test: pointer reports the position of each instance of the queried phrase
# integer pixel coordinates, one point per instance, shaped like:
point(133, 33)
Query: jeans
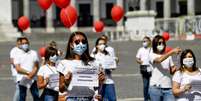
point(33, 89)
point(17, 93)
point(79, 99)
point(146, 87)
point(49, 95)
point(161, 94)
point(108, 92)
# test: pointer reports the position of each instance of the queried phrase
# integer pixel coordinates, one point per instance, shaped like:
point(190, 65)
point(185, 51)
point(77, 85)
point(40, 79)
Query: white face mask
point(160, 47)
point(188, 62)
point(145, 44)
point(101, 47)
point(53, 58)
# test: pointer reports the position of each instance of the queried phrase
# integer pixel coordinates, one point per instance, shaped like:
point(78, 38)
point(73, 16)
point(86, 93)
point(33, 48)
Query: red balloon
point(167, 49)
point(42, 51)
point(68, 16)
point(166, 36)
point(117, 13)
point(98, 26)
point(23, 23)
point(44, 4)
point(61, 3)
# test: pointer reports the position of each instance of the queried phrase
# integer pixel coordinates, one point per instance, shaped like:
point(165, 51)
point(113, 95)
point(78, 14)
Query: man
point(14, 53)
point(27, 67)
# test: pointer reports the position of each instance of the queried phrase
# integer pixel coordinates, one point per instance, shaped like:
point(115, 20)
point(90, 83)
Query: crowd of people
point(162, 79)
point(56, 75)
point(87, 76)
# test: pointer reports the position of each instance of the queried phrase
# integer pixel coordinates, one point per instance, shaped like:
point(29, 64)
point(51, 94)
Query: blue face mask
point(53, 58)
point(79, 48)
point(24, 47)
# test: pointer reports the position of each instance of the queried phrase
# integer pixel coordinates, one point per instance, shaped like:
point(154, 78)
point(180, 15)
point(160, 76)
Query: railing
point(177, 27)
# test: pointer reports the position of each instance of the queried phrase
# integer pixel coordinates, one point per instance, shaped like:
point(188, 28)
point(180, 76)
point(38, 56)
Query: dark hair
point(25, 38)
point(85, 57)
point(50, 51)
point(18, 39)
point(155, 44)
point(96, 49)
point(146, 37)
point(183, 55)
point(53, 44)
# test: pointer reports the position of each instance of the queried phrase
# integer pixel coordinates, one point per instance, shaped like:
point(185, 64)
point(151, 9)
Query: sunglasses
point(78, 42)
point(160, 43)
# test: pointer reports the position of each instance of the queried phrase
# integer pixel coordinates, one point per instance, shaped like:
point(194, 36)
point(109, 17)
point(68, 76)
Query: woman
point(101, 54)
point(77, 55)
point(48, 77)
point(160, 82)
point(142, 58)
point(185, 78)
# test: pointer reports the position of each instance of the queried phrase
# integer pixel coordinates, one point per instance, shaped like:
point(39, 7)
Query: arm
point(35, 70)
point(64, 81)
point(42, 83)
point(166, 55)
point(21, 70)
point(138, 61)
point(177, 90)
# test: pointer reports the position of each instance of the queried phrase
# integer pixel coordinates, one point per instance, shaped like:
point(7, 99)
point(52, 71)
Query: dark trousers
point(33, 89)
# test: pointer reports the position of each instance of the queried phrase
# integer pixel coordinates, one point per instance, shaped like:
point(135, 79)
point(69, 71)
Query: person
point(14, 53)
point(108, 48)
point(108, 88)
point(48, 77)
point(160, 88)
point(54, 45)
point(183, 79)
point(27, 66)
point(77, 55)
point(142, 58)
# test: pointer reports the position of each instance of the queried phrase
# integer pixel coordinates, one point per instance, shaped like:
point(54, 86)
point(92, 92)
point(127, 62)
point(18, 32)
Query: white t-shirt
point(66, 66)
point(26, 61)
point(143, 55)
point(161, 76)
point(183, 79)
point(47, 71)
point(99, 57)
point(14, 53)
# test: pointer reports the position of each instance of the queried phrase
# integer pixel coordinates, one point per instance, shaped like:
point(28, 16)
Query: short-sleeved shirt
point(183, 78)
point(47, 70)
point(143, 55)
point(66, 66)
point(161, 76)
point(14, 53)
point(26, 61)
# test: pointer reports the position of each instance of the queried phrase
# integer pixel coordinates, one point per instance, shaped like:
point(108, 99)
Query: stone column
point(120, 26)
point(143, 4)
point(49, 20)
point(191, 7)
point(96, 10)
point(7, 31)
point(74, 27)
point(26, 9)
point(167, 10)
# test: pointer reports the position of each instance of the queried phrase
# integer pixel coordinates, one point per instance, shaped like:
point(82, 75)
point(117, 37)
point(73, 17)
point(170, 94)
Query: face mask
point(188, 62)
point(160, 47)
point(79, 48)
point(101, 47)
point(145, 44)
point(24, 47)
point(53, 58)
